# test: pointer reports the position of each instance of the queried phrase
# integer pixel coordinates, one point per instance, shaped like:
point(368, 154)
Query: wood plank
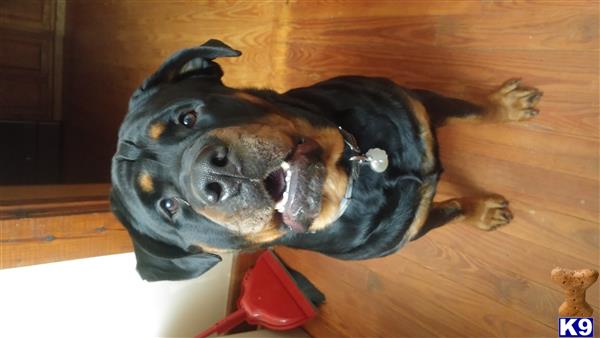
point(332, 9)
point(350, 293)
point(19, 211)
point(492, 280)
point(34, 15)
point(558, 72)
point(52, 200)
point(563, 75)
point(50, 239)
point(542, 226)
point(418, 289)
point(544, 188)
point(36, 193)
point(523, 144)
point(498, 250)
point(165, 28)
point(571, 28)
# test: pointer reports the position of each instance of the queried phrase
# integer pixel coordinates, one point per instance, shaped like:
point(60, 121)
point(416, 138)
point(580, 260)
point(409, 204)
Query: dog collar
point(375, 157)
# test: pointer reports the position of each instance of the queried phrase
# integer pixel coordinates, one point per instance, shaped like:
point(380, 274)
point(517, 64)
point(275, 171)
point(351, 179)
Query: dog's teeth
point(280, 206)
point(288, 177)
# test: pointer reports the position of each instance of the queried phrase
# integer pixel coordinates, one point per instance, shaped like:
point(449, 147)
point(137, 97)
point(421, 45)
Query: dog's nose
point(216, 174)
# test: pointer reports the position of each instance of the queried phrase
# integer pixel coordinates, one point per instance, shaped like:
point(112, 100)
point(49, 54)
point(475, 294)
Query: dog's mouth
point(296, 186)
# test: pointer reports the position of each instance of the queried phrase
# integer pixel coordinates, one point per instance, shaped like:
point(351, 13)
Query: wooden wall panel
point(30, 14)
point(112, 46)
point(30, 75)
point(25, 75)
point(25, 55)
point(49, 223)
point(39, 240)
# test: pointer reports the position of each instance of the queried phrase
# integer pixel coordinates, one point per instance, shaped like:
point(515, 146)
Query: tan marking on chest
point(425, 134)
point(426, 192)
point(336, 179)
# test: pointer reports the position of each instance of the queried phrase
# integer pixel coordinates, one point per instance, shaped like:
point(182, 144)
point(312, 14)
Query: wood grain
point(30, 72)
point(547, 167)
point(49, 223)
point(28, 241)
point(52, 200)
point(456, 281)
point(111, 47)
point(10, 195)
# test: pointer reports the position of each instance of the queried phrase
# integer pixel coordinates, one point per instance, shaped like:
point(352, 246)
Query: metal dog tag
point(378, 159)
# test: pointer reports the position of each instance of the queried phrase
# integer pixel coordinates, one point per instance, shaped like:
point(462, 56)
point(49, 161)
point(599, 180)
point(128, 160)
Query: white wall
point(105, 297)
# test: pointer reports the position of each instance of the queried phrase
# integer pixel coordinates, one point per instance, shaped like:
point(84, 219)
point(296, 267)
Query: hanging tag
point(378, 159)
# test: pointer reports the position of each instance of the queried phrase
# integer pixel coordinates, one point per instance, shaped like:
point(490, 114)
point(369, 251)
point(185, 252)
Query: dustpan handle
point(225, 324)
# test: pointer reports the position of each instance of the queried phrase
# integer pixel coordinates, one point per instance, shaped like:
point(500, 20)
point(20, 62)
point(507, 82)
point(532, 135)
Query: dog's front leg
point(486, 213)
point(511, 102)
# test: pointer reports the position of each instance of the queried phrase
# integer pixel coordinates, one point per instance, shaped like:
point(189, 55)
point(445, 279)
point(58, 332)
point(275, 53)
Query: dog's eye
point(188, 119)
point(169, 205)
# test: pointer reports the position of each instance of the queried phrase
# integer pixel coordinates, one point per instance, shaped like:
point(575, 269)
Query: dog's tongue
point(306, 185)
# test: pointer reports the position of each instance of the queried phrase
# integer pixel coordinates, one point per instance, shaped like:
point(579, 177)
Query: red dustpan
point(269, 298)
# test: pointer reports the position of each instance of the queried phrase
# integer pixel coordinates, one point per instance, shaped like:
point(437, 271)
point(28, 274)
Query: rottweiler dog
point(202, 168)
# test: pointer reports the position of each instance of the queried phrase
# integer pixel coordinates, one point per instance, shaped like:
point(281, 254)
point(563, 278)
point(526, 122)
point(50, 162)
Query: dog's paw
point(486, 213)
point(513, 102)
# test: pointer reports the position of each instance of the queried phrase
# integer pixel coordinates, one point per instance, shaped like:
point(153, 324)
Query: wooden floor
point(456, 281)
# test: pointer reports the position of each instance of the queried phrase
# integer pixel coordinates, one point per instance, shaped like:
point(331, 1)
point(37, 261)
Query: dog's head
point(202, 168)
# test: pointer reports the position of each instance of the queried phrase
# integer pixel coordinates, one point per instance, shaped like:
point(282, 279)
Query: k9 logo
point(576, 327)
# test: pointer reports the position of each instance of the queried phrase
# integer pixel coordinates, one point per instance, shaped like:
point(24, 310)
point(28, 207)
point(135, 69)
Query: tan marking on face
point(145, 182)
point(280, 129)
point(214, 250)
point(334, 188)
point(336, 179)
point(427, 191)
point(425, 133)
point(156, 129)
point(244, 222)
point(252, 99)
point(266, 236)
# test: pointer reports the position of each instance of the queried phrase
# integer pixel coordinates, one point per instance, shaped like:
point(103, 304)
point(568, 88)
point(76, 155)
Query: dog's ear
point(158, 261)
point(191, 61)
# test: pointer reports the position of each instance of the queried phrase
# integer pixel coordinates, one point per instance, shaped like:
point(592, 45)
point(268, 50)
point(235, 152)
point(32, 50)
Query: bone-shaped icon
point(574, 283)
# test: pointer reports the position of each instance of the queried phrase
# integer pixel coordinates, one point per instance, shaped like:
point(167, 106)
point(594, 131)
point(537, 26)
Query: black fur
point(440, 107)
point(375, 110)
